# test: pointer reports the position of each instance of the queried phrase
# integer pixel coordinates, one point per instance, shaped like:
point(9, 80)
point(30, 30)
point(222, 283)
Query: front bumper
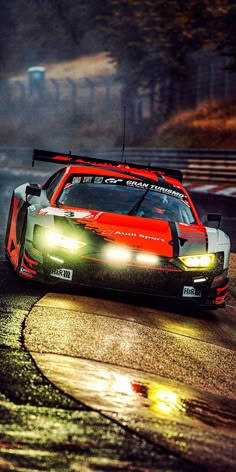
point(166, 280)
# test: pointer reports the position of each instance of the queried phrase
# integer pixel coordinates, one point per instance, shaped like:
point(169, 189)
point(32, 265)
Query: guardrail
point(207, 165)
point(196, 164)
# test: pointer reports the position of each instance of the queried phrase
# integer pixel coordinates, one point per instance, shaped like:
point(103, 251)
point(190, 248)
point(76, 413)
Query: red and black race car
point(116, 225)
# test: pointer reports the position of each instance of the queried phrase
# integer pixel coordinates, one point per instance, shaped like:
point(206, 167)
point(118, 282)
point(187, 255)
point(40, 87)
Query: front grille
point(129, 278)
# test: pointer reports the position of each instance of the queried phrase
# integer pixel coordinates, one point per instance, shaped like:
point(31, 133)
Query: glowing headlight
point(198, 262)
point(117, 254)
point(55, 239)
point(149, 259)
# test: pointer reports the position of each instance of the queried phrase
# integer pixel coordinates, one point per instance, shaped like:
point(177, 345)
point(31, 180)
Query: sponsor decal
point(32, 207)
point(131, 183)
point(154, 238)
point(156, 188)
point(132, 235)
point(87, 179)
point(189, 291)
point(98, 180)
point(123, 233)
point(112, 180)
point(76, 180)
point(65, 274)
point(137, 184)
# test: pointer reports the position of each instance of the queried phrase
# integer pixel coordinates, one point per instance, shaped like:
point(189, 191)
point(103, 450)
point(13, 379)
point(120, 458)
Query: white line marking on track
point(204, 188)
point(227, 191)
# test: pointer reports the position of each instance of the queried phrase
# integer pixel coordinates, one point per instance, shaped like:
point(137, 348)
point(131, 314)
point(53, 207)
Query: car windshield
point(119, 196)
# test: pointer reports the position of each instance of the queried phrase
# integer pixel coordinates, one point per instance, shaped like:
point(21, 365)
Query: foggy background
point(170, 64)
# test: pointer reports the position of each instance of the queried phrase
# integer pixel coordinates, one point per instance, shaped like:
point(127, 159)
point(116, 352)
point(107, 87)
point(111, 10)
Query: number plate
point(65, 274)
point(191, 291)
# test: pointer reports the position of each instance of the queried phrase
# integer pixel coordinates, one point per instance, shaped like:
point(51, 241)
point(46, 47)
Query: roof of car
point(125, 172)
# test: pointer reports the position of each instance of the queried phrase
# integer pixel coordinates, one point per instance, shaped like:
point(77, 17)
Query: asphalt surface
point(109, 382)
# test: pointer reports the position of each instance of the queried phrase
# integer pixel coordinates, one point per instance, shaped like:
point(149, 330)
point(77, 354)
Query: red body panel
point(13, 247)
point(141, 233)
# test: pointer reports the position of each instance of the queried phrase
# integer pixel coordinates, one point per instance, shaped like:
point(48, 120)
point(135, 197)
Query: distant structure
point(36, 80)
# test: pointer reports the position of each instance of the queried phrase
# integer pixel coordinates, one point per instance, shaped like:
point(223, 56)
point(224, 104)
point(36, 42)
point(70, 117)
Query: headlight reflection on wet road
point(164, 401)
point(183, 419)
point(117, 359)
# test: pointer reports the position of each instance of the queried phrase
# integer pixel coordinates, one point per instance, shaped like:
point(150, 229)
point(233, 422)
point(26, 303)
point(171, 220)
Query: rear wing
point(72, 159)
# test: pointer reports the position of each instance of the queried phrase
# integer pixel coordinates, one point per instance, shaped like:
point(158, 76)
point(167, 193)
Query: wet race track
point(95, 381)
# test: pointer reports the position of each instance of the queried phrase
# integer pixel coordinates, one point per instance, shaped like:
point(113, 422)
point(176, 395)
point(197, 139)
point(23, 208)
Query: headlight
point(198, 262)
point(55, 239)
point(118, 254)
point(149, 259)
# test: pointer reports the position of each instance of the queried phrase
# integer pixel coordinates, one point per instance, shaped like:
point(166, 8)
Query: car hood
point(155, 236)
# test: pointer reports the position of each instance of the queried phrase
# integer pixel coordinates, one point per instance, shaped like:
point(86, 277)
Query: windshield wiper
point(139, 202)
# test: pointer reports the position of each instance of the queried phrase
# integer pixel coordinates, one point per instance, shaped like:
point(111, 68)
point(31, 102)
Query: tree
point(7, 27)
point(46, 30)
point(225, 20)
point(146, 37)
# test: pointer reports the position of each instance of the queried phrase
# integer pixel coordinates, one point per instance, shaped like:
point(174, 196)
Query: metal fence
point(208, 78)
point(61, 95)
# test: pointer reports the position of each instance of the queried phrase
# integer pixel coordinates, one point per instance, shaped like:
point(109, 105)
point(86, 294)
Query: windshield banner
point(91, 179)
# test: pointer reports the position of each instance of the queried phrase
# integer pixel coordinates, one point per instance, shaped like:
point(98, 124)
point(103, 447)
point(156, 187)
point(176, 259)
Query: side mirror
point(214, 218)
point(33, 190)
